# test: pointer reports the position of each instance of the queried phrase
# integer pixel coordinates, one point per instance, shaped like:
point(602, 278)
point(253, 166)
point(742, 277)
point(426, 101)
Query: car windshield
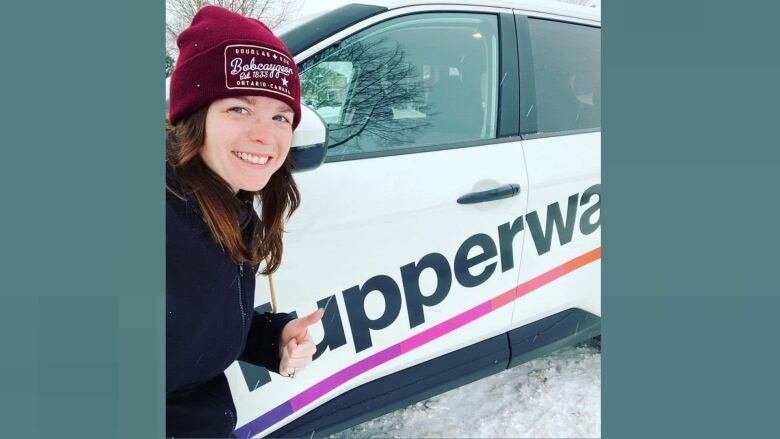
point(290, 26)
point(302, 33)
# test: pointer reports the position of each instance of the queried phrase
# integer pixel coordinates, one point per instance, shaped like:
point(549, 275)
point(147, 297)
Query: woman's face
point(247, 140)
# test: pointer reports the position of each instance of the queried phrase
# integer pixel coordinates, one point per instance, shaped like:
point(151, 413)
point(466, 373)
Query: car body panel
point(373, 205)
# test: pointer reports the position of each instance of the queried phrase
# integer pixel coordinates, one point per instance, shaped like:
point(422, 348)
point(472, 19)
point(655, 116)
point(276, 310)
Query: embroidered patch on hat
point(258, 68)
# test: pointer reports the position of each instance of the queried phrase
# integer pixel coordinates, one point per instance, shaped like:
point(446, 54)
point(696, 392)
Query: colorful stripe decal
point(312, 393)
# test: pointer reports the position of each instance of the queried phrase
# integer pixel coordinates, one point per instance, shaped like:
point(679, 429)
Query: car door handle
point(505, 191)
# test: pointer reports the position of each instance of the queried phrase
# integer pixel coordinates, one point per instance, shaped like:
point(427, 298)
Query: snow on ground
point(556, 396)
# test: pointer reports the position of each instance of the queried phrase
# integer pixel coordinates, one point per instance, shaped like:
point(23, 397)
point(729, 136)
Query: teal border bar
point(690, 177)
point(81, 185)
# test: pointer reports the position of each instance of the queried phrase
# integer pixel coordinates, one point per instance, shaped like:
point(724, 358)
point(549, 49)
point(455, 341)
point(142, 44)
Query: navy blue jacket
point(210, 322)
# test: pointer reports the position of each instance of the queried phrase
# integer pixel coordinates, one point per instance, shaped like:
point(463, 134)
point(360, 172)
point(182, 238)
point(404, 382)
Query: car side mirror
point(309, 146)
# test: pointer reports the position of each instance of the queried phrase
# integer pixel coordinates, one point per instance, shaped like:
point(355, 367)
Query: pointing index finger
point(313, 318)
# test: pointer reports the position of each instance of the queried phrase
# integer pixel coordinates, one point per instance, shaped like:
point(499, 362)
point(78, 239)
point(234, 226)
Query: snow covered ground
point(557, 396)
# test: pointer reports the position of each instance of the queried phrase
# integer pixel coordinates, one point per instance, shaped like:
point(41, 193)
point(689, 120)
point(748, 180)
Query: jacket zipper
point(243, 323)
point(241, 298)
point(232, 418)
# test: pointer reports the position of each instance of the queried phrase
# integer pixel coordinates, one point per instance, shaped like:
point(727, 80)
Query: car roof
point(544, 6)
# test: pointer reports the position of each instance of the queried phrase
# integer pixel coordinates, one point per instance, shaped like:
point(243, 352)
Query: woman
point(234, 103)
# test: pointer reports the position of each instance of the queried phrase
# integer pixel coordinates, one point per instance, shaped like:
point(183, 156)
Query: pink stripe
point(309, 395)
point(539, 281)
point(503, 299)
point(444, 327)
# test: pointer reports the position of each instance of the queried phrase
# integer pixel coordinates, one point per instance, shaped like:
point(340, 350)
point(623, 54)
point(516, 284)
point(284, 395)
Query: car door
point(560, 279)
point(407, 235)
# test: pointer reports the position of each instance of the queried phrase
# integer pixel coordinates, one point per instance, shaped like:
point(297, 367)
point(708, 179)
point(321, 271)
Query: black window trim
point(508, 120)
point(541, 135)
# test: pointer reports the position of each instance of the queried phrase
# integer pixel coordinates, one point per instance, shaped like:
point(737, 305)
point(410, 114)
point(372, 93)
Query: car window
point(409, 82)
point(567, 73)
point(325, 88)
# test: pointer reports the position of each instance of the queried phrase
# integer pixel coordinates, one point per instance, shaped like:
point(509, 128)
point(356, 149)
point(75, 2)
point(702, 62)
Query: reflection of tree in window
point(323, 87)
point(384, 83)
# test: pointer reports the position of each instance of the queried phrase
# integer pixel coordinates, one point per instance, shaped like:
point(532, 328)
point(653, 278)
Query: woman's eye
point(281, 118)
point(239, 110)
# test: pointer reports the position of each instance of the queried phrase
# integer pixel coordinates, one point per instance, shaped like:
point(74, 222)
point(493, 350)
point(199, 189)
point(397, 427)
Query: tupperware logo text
point(582, 211)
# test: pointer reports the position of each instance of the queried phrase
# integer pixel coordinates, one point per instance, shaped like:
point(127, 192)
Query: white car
point(453, 229)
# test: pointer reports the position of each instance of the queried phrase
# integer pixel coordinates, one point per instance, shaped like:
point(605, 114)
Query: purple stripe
point(318, 390)
point(307, 396)
point(266, 420)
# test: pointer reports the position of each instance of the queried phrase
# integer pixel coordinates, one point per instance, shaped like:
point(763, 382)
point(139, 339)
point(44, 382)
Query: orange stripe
point(579, 261)
point(582, 260)
point(304, 398)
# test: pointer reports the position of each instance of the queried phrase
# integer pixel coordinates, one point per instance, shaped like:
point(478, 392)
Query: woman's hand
point(297, 346)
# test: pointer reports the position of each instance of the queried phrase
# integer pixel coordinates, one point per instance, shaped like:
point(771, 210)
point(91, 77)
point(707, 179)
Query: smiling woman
point(227, 149)
point(247, 140)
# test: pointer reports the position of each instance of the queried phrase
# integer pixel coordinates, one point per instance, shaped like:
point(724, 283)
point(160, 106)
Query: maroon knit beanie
point(223, 54)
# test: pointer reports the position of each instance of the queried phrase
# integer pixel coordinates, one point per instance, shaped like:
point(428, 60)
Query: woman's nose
point(260, 131)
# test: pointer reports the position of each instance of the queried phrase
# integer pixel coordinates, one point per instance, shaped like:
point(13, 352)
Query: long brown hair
point(221, 209)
